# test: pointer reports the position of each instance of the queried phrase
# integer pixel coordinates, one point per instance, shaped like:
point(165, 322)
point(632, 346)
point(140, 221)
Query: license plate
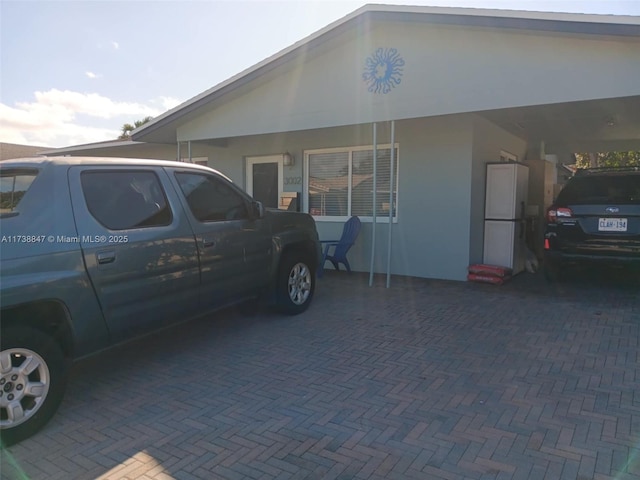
point(612, 224)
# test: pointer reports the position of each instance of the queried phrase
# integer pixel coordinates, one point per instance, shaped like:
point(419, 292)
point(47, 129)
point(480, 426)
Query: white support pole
point(391, 180)
point(375, 188)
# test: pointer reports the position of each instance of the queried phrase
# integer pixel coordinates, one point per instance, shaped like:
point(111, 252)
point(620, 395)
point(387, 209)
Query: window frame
point(380, 218)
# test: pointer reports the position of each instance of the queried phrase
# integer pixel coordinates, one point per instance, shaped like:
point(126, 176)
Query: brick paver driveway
point(428, 380)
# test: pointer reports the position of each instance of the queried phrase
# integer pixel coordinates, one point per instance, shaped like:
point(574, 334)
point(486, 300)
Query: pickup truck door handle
point(106, 257)
point(208, 242)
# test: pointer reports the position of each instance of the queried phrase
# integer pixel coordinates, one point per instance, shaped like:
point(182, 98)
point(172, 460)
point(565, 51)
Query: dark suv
point(595, 219)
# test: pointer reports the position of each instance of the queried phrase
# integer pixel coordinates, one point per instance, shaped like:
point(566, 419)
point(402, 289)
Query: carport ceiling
point(589, 126)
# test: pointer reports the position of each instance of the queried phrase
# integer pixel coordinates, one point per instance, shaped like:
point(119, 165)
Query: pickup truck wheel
point(296, 283)
point(32, 382)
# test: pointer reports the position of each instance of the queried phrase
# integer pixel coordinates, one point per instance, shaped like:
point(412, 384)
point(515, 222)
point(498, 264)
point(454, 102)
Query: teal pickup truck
point(95, 251)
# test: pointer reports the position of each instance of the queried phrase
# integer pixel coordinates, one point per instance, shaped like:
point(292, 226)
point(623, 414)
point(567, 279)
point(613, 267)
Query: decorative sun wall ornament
point(383, 70)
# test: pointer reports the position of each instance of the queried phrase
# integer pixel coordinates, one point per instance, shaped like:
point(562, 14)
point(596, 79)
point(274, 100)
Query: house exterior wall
point(447, 69)
point(433, 238)
point(322, 100)
point(432, 233)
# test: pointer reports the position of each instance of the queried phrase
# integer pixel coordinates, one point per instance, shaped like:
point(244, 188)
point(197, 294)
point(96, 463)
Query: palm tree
point(127, 128)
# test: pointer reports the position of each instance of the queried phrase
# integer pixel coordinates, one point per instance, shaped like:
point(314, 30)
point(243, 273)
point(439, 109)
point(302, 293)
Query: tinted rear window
point(126, 199)
point(619, 189)
point(13, 186)
point(211, 199)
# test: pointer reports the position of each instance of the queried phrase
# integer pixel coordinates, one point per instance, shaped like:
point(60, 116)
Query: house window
point(340, 183)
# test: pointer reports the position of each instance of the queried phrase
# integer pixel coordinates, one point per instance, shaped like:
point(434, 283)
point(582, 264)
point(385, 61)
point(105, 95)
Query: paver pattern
point(424, 380)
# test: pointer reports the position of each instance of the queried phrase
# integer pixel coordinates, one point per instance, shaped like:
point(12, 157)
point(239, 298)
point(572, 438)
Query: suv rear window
point(596, 189)
point(13, 185)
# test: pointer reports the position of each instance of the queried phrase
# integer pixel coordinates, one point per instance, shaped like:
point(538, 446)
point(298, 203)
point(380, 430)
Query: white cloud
point(52, 119)
point(169, 102)
point(91, 104)
point(115, 45)
point(92, 75)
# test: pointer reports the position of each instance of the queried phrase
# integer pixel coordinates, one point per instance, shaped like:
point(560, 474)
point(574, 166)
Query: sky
point(73, 72)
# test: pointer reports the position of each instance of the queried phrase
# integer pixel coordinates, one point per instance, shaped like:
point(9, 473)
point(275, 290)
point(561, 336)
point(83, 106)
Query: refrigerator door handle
point(522, 210)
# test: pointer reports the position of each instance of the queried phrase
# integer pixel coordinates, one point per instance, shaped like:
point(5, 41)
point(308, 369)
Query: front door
point(264, 179)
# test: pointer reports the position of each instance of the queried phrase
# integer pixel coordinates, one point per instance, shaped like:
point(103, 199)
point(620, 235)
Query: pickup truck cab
point(95, 251)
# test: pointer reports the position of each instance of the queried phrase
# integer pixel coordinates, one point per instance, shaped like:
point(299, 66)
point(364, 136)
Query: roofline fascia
point(87, 146)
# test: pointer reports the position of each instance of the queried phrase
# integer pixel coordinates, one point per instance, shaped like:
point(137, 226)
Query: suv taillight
point(553, 214)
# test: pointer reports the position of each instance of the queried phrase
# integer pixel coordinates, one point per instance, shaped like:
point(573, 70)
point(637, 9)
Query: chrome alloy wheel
point(24, 385)
point(299, 284)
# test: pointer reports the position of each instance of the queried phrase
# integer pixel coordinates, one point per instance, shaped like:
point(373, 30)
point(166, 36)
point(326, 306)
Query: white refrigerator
point(504, 215)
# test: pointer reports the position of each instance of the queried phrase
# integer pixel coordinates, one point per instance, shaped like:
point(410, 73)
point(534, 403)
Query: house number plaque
point(293, 180)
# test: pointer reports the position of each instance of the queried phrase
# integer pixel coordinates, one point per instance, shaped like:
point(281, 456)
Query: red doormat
point(493, 274)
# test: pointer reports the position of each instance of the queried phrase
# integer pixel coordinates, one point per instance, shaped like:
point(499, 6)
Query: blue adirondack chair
point(340, 247)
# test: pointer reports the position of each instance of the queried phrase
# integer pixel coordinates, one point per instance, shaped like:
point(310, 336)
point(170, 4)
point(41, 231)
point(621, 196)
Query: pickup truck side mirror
point(257, 210)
